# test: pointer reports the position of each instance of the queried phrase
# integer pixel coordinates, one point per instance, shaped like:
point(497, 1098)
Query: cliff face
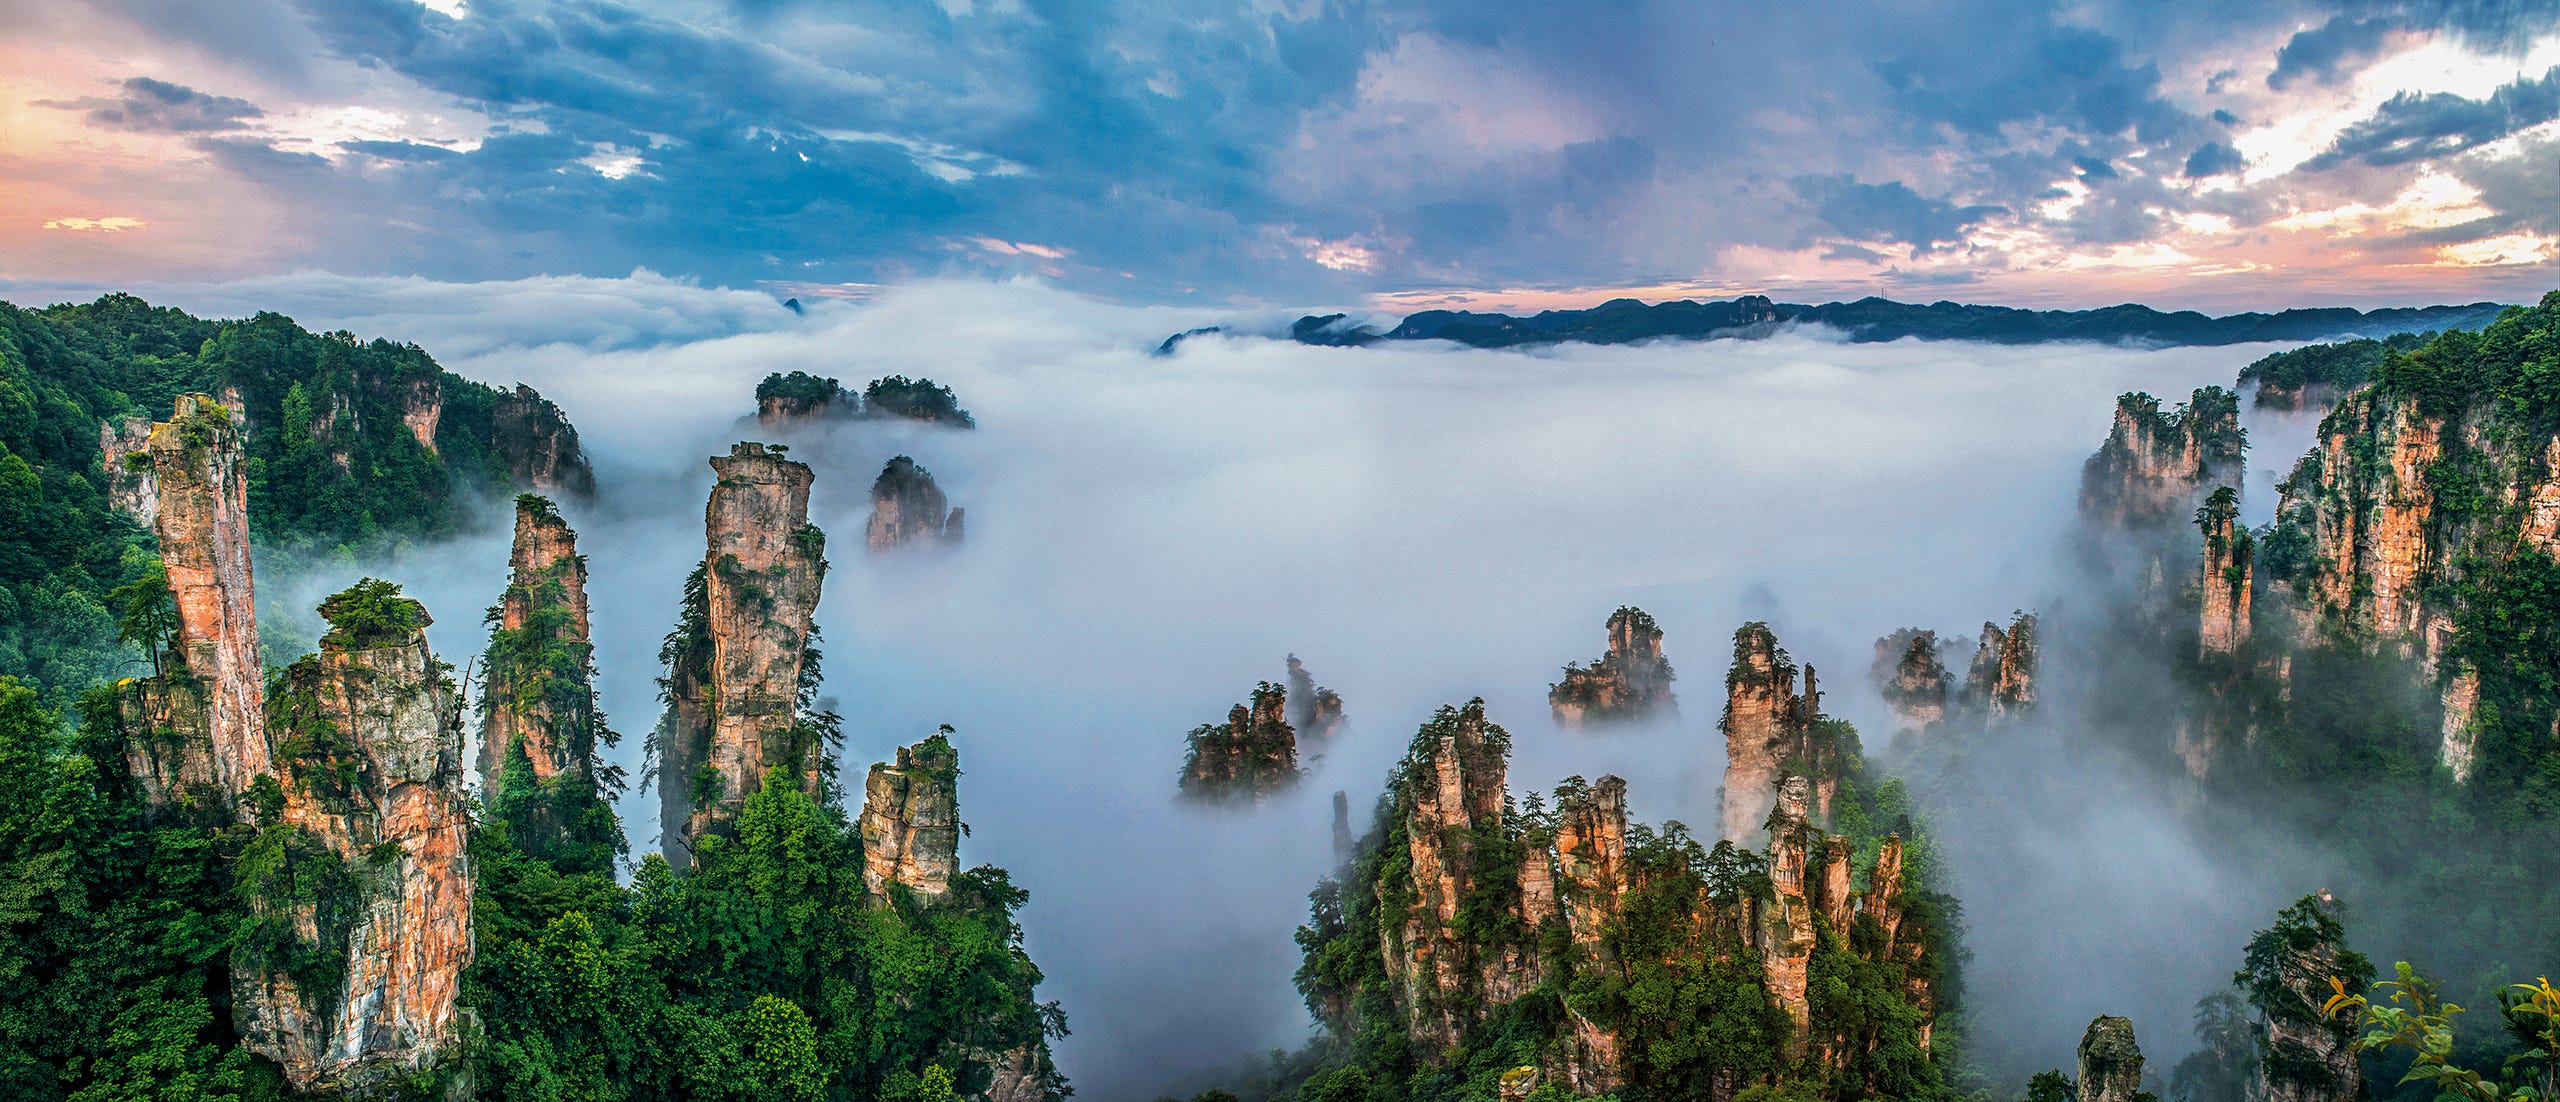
point(1249, 757)
point(1453, 805)
point(1911, 678)
point(2110, 1062)
point(124, 448)
point(2002, 680)
point(538, 703)
point(168, 745)
point(422, 408)
point(911, 821)
point(1479, 903)
point(2224, 581)
point(2156, 466)
point(1766, 725)
point(200, 462)
point(539, 445)
point(547, 596)
point(739, 678)
point(1315, 711)
point(360, 890)
point(907, 508)
point(2401, 511)
point(1631, 682)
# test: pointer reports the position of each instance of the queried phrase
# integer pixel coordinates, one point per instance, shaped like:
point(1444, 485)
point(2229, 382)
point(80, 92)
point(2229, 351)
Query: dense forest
point(352, 445)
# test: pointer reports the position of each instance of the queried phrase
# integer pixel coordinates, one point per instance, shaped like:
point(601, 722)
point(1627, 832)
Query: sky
point(1392, 155)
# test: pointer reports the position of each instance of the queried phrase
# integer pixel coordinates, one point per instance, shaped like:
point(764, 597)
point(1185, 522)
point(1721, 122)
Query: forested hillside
point(351, 444)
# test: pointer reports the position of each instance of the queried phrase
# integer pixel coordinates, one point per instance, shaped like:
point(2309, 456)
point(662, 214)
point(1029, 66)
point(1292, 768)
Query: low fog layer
point(1148, 537)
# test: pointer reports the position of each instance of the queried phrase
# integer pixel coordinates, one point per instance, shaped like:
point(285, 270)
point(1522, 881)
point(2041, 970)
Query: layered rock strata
point(908, 509)
point(538, 701)
point(124, 449)
point(910, 822)
point(1630, 682)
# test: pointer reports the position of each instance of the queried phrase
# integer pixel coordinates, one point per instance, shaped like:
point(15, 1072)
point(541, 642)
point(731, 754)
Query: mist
point(1421, 524)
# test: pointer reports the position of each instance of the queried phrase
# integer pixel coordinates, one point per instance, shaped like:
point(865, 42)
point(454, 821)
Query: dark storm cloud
point(159, 106)
point(2410, 128)
point(2324, 53)
point(2215, 159)
point(1889, 211)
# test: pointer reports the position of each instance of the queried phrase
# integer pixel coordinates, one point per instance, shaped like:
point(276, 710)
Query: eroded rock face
point(546, 594)
point(737, 665)
point(200, 460)
point(2155, 467)
point(168, 745)
point(370, 760)
point(538, 703)
point(1315, 711)
point(422, 409)
point(1249, 757)
point(1911, 678)
point(1454, 795)
point(2223, 582)
point(2002, 680)
point(1631, 682)
point(540, 446)
point(907, 509)
point(1766, 724)
point(133, 489)
point(2110, 1062)
point(1451, 819)
point(911, 822)
point(2460, 745)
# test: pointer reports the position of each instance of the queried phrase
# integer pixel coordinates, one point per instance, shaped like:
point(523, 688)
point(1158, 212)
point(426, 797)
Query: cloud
point(1889, 211)
point(2215, 159)
point(2325, 53)
point(2414, 127)
point(158, 106)
point(110, 224)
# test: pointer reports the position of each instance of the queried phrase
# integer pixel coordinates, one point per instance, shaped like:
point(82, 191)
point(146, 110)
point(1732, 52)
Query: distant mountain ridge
point(1626, 320)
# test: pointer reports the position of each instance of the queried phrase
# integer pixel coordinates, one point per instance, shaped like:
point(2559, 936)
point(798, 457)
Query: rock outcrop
point(422, 409)
point(908, 509)
point(124, 448)
point(2155, 467)
point(739, 664)
point(539, 444)
point(1247, 758)
point(538, 702)
point(2223, 584)
point(1479, 902)
point(1453, 801)
point(2110, 1062)
point(911, 821)
point(1912, 679)
point(1315, 711)
point(198, 458)
point(359, 889)
point(1629, 683)
point(785, 401)
point(2001, 683)
point(1767, 725)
